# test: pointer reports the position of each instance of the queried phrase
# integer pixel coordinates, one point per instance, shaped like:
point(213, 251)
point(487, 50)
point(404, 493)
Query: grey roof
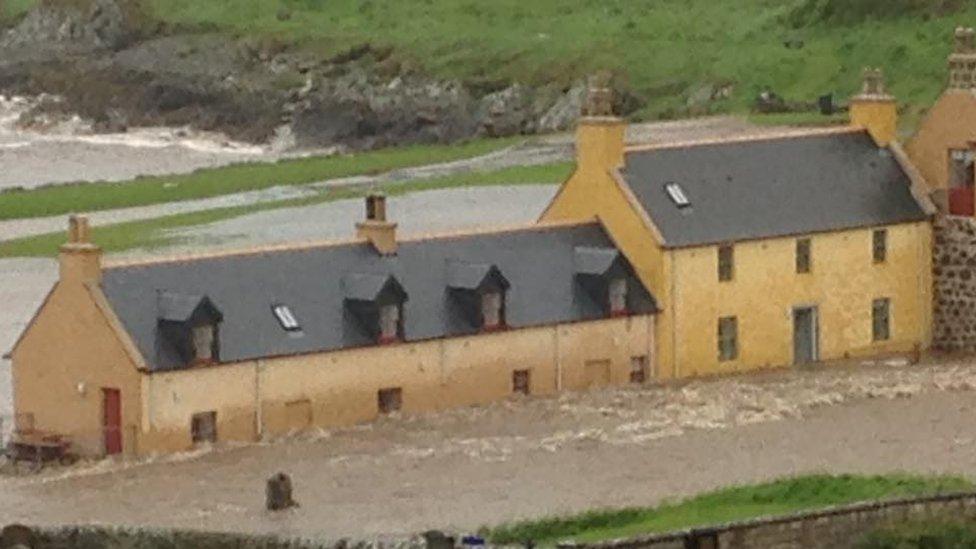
point(462, 275)
point(315, 282)
point(177, 307)
point(772, 187)
point(595, 261)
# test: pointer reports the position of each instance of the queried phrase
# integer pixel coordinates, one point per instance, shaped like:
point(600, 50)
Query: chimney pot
point(80, 260)
point(376, 207)
point(79, 231)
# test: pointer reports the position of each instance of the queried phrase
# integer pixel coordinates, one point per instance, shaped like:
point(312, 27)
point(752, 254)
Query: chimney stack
point(962, 61)
point(600, 133)
point(375, 228)
point(874, 109)
point(80, 260)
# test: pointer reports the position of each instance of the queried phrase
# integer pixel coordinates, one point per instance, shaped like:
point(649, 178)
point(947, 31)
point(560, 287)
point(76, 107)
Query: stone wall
point(834, 528)
point(954, 277)
point(92, 537)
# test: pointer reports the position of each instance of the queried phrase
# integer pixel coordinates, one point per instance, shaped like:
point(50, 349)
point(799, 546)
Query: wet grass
point(155, 233)
point(663, 50)
point(737, 503)
point(207, 183)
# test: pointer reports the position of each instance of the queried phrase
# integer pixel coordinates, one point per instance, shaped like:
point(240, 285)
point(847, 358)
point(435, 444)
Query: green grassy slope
point(664, 49)
point(737, 503)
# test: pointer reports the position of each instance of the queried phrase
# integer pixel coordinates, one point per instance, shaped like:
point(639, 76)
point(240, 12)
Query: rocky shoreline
point(113, 71)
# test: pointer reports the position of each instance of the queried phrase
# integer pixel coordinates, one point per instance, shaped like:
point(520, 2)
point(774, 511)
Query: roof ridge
point(334, 243)
point(771, 136)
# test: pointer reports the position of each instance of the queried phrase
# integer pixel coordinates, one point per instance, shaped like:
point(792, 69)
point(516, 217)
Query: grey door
point(804, 335)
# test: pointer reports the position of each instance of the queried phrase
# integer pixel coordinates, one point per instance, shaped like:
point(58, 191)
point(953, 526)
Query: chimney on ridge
point(962, 60)
point(375, 228)
point(600, 133)
point(874, 109)
point(80, 260)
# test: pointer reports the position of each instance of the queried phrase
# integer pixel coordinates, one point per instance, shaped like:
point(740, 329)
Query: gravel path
point(535, 457)
point(543, 150)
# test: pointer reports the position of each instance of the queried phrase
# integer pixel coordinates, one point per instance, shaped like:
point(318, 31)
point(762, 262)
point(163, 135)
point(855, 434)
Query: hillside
point(672, 58)
point(666, 49)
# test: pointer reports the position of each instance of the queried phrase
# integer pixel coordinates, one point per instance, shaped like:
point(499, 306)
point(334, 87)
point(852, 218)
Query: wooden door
point(112, 420)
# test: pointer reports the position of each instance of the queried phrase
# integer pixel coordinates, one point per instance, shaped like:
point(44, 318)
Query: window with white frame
point(390, 322)
point(618, 295)
point(492, 309)
point(203, 342)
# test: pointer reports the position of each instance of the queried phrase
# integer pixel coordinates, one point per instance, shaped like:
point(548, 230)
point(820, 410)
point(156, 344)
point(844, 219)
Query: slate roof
point(314, 282)
point(771, 187)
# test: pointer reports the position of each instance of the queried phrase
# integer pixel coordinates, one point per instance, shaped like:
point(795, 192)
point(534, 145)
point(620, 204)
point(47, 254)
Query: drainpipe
point(559, 362)
point(258, 415)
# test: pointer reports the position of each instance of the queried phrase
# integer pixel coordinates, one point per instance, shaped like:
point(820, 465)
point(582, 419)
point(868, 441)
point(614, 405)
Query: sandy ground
point(534, 457)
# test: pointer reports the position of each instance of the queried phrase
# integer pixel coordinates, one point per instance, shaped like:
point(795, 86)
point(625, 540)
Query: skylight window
point(677, 195)
point(286, 318)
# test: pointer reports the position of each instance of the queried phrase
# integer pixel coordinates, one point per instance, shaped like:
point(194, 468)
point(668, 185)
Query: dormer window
point(204, 337)
point(606, 276)
point(375, 303)
point(390, 323)
point(492, 310)
point(617, 290)
point(188, 328)
point(477, 292)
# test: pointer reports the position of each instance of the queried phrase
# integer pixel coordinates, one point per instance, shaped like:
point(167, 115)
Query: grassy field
point(155, 233)
point(144, 191)
point(743, 502)
point(663, 50)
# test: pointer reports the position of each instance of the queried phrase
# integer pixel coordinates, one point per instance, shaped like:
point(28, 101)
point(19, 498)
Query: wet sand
point(536, 457)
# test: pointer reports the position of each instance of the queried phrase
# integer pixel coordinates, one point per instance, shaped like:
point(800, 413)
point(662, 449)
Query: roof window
point(286, 318)
point(677, 195)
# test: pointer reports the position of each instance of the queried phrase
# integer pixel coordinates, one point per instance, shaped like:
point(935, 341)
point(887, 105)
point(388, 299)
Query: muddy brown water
point(536, 457)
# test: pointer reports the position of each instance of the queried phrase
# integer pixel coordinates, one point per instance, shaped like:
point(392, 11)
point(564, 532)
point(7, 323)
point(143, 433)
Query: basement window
point(677, 195)
point(521, 382)
point(390, 400)
point(638, 369)
point(286, 318)
point(203, 427)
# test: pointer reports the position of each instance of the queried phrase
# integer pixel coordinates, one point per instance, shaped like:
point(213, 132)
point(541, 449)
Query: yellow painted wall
point(71, 343)
point(341, 387)
point(843, 284)
point(950, 124)
point(592, 192)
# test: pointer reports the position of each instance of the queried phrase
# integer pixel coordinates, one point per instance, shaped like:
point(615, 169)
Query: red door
point(961, 201)
point(112, 420)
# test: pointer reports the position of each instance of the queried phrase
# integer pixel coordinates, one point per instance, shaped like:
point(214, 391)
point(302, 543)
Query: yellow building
point(157, 356)
point(651, 262)
point(766, 251)
point(943, 147)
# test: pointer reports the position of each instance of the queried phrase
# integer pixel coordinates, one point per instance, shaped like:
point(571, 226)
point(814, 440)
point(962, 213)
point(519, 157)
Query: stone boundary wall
point(96, 537)
point(834, 528)
point(954, 276)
